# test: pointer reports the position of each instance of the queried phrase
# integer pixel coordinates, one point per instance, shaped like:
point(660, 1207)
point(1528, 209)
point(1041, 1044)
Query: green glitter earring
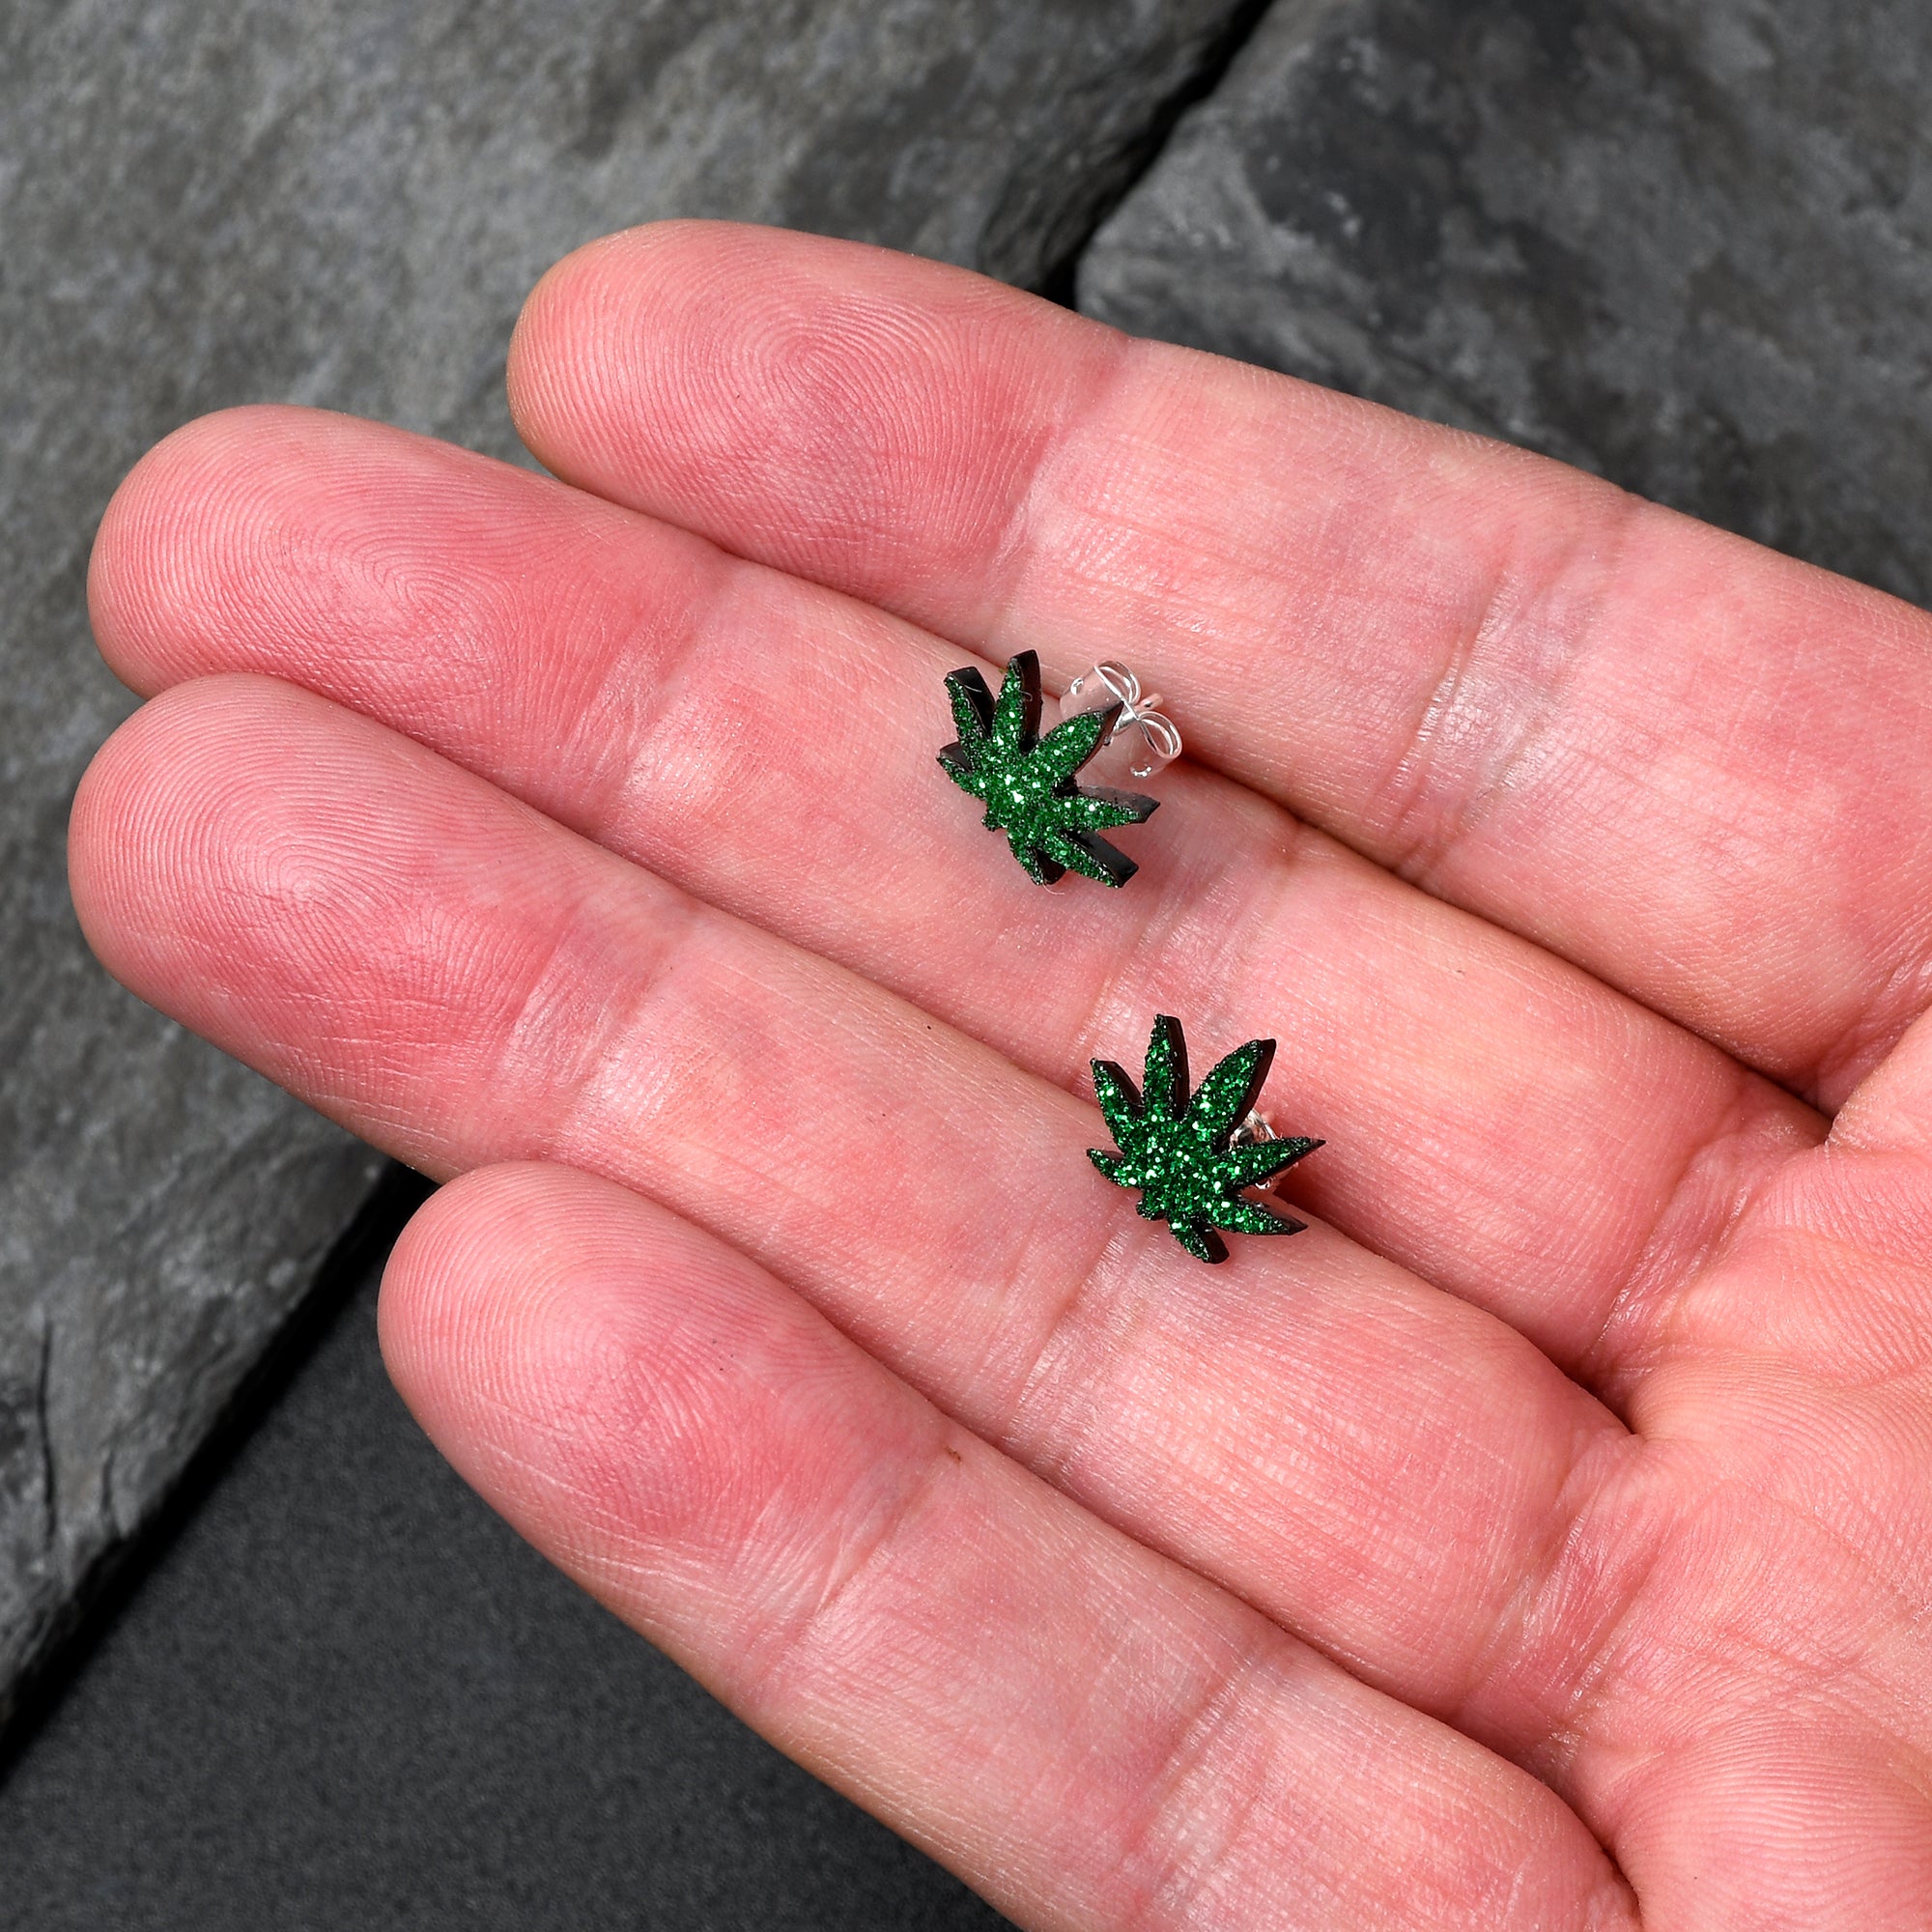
point(1026, 781)
point(1191, 1157)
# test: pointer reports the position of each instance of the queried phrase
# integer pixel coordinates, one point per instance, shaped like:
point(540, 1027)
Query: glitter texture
point(1179, 1152)
point(1026, 781)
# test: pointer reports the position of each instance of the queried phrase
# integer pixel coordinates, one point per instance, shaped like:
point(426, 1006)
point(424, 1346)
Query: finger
point(1517, 1133)
point(1373, 1462)
point(1891, 1110)
point(1087, 1733)
point(1695, 767)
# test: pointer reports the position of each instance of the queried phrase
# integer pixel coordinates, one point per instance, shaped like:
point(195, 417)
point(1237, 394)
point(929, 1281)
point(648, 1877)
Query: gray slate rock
point(1690, 248)
point(343, 204)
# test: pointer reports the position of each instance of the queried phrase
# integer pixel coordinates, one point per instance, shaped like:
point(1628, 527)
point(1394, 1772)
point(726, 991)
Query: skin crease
point(1545, 1538)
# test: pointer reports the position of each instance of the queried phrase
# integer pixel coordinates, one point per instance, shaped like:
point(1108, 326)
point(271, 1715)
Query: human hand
point(1567, 1486)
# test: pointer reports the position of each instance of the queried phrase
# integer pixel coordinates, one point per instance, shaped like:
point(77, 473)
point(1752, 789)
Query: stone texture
point(1690, 248)
point(343, 204)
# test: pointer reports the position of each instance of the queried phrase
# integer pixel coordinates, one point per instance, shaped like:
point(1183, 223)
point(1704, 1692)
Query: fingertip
point(130, 552)
point(154, 574)
point(623, 1386)
point(90, 845)
point(604, 312)
point(594, 304)
point(167, 820)
point(445, 1284)
point(122, 838)
point(709, 372)
point(470, 1273)
point(492, 1262)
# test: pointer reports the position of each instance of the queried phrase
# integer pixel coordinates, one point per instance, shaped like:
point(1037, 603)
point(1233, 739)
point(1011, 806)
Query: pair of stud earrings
point(1191, 1153)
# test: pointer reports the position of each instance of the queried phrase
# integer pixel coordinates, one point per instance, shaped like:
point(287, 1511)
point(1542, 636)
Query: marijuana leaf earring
point(1191, 1157)
point(1026, 781)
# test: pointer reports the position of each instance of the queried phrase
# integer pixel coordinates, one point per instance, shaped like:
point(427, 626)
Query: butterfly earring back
point(1139, 742)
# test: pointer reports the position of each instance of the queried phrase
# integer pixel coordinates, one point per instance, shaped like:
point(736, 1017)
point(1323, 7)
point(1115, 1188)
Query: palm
point(1566, 1487)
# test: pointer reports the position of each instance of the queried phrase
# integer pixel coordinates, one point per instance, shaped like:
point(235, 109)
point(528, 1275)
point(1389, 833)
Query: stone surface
point(1690, 248)
point(343, 204)
point(350, 1696)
